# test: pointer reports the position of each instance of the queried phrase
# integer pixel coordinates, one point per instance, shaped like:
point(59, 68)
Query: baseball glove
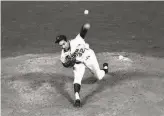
point(69, 61)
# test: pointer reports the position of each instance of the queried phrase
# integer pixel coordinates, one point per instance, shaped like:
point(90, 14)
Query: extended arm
point(84, 30)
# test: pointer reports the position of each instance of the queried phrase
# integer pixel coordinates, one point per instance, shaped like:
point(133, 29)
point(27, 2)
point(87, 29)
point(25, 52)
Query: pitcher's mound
point(37, 83)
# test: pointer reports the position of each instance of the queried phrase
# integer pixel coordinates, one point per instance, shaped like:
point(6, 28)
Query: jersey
point(78, 49)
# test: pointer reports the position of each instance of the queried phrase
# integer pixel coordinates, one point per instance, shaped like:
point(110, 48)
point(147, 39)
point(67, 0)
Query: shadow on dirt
point(114, 78)
point(36, 80)
point(59, 81)
point(59, 85)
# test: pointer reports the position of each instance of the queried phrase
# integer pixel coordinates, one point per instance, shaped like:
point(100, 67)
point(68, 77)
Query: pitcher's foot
point(77, 103)
point(105, 67)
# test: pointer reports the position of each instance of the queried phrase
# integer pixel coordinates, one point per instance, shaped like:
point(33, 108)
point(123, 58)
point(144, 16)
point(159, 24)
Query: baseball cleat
point(77, 103)
point(105, 67)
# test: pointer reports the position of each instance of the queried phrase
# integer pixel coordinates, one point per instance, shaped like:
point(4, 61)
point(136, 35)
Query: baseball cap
point(60, 37)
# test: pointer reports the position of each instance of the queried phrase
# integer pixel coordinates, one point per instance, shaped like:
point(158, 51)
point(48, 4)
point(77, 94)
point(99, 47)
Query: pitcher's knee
point(78, 81)
point(100, 74)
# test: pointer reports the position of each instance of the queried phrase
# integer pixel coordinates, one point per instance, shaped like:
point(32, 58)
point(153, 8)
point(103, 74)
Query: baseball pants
point(92, 64)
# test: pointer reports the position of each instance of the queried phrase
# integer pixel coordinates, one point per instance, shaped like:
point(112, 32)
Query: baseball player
point(77, 54)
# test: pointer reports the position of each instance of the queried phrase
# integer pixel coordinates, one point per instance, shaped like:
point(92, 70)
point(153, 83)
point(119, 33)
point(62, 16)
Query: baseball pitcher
point(77, 54)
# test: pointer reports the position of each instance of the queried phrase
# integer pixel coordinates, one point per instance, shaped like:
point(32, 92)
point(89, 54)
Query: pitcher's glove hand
point(69, 61)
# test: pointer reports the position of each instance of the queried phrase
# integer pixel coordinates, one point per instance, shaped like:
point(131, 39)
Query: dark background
point(31, 27)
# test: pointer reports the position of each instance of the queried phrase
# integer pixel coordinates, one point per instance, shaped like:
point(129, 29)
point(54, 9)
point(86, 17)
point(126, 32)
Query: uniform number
point(79, 52)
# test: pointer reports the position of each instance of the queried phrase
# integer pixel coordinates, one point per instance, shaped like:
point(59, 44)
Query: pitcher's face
point(64, 44)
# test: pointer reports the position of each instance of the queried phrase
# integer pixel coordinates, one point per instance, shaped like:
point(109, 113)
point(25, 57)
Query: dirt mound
point(38, 83)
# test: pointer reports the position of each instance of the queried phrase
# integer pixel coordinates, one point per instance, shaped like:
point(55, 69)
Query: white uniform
point(87, 58)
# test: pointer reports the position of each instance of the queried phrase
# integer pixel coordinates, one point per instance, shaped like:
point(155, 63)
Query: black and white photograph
point(82, 58)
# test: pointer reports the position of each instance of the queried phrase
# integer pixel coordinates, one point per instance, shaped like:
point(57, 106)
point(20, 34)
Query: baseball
point(86, 12)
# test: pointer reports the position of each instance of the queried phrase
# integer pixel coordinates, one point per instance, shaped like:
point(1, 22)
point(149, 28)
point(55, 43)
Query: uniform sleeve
point(62, 57)
point(83, 32)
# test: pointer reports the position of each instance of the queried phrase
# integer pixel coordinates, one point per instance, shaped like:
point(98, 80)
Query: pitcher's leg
point(93, 65)
point(97, 71)
point(78, 71)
